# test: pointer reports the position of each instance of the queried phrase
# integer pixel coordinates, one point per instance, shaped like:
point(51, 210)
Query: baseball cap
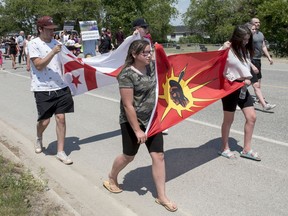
point(139, 22)
point(46, 22)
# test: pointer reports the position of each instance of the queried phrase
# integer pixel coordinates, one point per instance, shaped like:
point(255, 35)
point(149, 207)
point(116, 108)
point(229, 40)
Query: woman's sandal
point(112, 187)
point(250, 155)
point(227, 154)
point(167, 205)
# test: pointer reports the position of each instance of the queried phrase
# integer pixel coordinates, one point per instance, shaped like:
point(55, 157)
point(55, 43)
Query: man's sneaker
point(64, 158)
point(38, 145)
point(268, 107)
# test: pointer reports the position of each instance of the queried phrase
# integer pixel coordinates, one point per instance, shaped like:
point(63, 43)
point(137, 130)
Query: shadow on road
point(178, 162)
point(73, 143)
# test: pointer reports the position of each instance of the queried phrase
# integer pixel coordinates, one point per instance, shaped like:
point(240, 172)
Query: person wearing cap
point(51, 93)
point(140, 26)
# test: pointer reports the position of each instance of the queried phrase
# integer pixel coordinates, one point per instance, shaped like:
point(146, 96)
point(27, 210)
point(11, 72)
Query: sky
point(181, 7)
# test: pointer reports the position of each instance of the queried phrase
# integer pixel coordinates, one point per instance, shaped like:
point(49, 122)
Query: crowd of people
point(15, 48)
point(137, 86)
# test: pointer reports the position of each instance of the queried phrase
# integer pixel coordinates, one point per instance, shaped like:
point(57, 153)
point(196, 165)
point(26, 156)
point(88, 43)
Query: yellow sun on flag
point(178, 95)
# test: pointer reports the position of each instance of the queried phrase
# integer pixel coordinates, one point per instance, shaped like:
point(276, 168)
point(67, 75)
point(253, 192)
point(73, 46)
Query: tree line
point(217, 19)
point(213, 18)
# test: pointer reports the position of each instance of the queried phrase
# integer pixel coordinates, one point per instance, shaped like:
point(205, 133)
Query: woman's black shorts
point(231, 101)
point(130, 145)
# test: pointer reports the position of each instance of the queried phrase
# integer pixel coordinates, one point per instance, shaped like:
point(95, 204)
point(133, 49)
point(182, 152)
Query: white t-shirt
point(51, 77)
point(235, 69)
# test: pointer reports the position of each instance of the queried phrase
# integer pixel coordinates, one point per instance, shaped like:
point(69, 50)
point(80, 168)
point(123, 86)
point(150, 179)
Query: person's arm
point(41, 63)
point(265, 51)
point(27, 62)
point(254, 68)
point(17, 44)
point(127, 100)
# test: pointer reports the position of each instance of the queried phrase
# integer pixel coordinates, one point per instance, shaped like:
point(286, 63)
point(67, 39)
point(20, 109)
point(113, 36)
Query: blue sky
point(181, 7)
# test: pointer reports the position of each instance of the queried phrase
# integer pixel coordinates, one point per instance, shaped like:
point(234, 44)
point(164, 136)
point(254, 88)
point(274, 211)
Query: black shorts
point(53, 102)
point(130, 145)
point(256, 77)
point(231, 101)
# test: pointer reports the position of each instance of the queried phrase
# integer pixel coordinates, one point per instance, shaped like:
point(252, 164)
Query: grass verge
point(17, 187)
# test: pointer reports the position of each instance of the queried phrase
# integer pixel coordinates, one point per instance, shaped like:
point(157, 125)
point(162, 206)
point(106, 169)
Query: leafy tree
point(16, 15)
point(156, 12)
point(274, 23)
point(217, 19)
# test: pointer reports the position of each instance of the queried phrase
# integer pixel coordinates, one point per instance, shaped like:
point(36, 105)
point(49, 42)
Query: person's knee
point(60, 118)
point(159, 156)
point(256, 85)
point(252, 119)
point(44, 123)
point(128, 158)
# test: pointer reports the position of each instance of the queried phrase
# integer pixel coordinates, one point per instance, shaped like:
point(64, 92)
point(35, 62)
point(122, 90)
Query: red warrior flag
point(187, 83)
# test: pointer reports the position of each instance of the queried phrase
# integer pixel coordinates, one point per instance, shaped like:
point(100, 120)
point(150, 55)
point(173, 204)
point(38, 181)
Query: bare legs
point(119, 164)
point(250, 116)
point(258, 92)
point(60, 130)
point(41, 126)
point(13, 58)
point(250, 119)
point(158, 172)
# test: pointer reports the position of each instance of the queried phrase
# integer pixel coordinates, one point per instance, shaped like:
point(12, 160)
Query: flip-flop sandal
point(250, 155)
point(227, 154)
point(168, 205)
point(112, 188)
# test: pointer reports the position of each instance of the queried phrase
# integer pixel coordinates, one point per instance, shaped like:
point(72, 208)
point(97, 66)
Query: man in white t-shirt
point(52, 95)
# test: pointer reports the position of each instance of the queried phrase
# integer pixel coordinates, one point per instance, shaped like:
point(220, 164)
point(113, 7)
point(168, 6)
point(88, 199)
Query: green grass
point(184, 48)
point(17, 186)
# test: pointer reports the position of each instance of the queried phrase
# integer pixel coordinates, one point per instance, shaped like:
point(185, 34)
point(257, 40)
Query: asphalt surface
point(198, 180)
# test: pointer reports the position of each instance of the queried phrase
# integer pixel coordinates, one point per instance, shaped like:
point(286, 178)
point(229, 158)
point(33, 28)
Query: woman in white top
point(238, 70)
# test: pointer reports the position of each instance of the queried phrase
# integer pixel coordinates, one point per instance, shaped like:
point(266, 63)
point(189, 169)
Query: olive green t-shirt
point(144, 90)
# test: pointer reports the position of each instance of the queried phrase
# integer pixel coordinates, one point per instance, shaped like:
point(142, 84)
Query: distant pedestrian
point(12, 50)
point(1, 60)
point(52, 95)
point(20, 46)
point(259, 48)
point(119, 37)
point(105, 45)
point(25, 46)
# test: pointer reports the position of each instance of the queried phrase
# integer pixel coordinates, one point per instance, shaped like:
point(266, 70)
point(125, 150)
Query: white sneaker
point(165, 131)
point(268, 107)
point(38, 145)
point(64, 158)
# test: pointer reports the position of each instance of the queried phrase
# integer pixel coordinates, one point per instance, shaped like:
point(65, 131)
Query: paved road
point(198, 180)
